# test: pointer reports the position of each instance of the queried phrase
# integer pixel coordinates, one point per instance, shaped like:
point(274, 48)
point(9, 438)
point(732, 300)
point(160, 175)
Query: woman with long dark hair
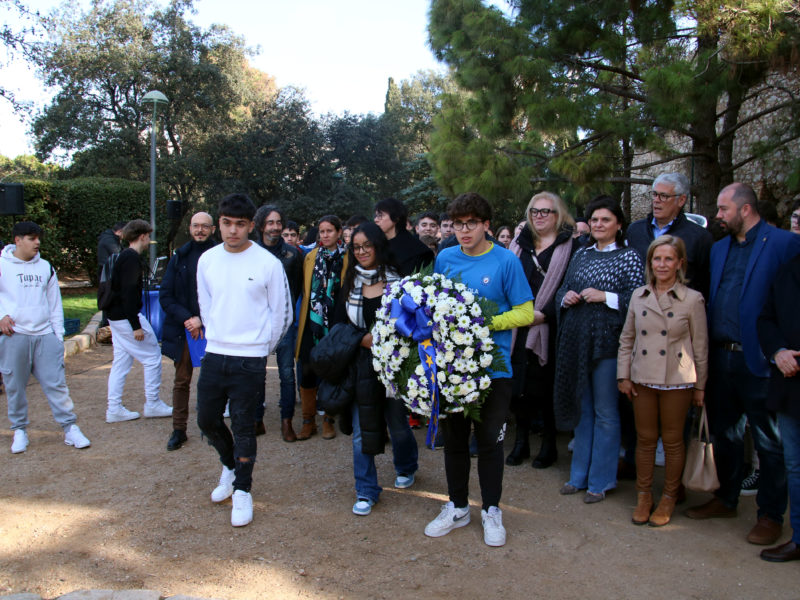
point(323, 269)
point(371, 267)
point(593, 302)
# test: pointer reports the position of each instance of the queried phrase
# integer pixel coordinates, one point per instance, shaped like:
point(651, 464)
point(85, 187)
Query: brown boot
point(663, 513)
point(644, 505)
point(287, 432)
point(308, 402)
point(328, 429)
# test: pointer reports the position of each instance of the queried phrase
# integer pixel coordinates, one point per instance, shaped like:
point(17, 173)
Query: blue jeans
point(240, 380)
point(404, 450)
point(284, 354)
point(790, 435)
point(736, 393)
point(597, 436)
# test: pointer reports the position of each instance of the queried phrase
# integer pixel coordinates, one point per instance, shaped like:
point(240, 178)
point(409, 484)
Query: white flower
point(486, 361)
point(404, 352)
point(475, 310)
point(468, 296)
point(469, 351)
point(485, 382)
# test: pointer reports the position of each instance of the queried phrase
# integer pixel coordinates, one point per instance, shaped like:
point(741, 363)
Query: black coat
point(107, 244)
point(367, 390)
point(698, 243)
point(779, 327)
point(178, 296)
point(411, 254)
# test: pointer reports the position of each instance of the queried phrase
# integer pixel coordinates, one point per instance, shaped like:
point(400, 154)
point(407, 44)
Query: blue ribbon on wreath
point(414, 321)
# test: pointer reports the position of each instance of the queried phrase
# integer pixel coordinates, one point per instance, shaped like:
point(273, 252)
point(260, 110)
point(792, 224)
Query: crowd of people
point(615, 333)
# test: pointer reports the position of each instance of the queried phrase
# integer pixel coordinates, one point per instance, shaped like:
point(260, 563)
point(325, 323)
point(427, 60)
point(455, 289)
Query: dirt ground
point(126, 514)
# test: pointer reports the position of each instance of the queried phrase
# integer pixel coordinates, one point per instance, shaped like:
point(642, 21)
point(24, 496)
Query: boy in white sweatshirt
point(245, 306)
point(32, 336)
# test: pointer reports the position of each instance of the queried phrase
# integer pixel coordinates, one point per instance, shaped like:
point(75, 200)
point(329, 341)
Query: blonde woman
point(662, 368)
point(544, 246)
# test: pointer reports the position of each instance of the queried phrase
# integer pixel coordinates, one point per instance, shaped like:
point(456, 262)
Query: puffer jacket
point(346, 367)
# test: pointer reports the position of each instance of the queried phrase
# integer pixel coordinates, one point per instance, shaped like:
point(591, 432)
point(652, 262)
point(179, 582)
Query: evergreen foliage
point(568, 93)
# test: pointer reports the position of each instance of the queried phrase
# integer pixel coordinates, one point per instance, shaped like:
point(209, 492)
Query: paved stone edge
point(83, 340)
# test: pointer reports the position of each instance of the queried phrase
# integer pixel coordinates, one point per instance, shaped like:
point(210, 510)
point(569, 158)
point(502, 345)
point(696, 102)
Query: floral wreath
point(432, 347)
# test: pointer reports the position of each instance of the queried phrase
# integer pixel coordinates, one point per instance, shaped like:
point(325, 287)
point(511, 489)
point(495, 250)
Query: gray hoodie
point(30, 295)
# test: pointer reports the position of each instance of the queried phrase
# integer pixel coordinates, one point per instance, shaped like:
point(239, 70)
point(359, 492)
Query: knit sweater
point(589, 332)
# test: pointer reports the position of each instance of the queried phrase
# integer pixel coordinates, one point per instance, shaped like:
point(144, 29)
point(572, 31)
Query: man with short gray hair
point(669, 194)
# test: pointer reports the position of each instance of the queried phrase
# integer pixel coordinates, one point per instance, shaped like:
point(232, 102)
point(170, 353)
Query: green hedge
point(74, 212)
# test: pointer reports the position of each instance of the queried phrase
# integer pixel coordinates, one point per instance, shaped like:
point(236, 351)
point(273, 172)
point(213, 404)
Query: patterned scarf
point(325, 283)
point(365, 277)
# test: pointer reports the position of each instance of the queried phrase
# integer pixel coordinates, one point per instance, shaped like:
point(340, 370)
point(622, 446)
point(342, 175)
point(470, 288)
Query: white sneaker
point(494, 534)
point(118, 414)
point(157, 409)
point(73, 436)
point(20, 443)
point(242, 511)
point(450, 518)
point(224, 488)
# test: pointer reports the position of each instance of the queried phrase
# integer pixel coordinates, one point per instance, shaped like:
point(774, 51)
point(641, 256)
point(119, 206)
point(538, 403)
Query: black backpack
point(105, 293)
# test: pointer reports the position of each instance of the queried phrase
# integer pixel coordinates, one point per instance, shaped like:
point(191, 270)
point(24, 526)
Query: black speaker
point(174, 210)
point(11, 202)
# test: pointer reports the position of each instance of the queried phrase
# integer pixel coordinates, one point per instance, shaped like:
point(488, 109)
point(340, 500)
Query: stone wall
point(768, 175)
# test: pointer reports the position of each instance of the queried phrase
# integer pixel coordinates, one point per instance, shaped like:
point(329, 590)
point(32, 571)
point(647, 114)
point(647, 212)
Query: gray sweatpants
point(42, 355)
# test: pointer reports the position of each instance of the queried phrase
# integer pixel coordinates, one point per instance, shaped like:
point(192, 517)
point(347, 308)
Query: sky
point(341, 53)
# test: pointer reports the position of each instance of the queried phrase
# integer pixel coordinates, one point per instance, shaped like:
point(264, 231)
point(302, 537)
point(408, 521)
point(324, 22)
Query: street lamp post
point(156, 98)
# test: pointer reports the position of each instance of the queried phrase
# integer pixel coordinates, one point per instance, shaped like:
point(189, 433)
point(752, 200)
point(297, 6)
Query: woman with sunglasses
point(544, 246)
point(371, 267)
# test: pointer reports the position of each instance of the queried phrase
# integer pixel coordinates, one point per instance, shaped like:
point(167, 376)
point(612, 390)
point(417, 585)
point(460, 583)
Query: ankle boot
point(522, 448)
point(663, 513)
point(548, 453)
point(328, 429)
point(644, 505)
point(287, 431)
point(308, 403)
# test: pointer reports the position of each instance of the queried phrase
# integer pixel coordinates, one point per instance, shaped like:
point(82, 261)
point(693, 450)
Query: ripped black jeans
point(238, 379)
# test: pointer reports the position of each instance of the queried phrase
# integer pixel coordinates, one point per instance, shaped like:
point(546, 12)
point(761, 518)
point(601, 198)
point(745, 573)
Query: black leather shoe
point(520, 452)
point(176, 440)
point(783, 553)
point(548, 454)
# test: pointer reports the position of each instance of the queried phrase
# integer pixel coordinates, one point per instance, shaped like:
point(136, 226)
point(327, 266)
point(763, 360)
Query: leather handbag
point(700, 472)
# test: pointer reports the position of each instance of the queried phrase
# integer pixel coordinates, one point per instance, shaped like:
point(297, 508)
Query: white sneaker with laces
point(242, 511)
point(156, 409)
point(73, 436)
point(450, 518)
point(118, 414)
point(20, 443)
point(494, 534)
point(224, 488)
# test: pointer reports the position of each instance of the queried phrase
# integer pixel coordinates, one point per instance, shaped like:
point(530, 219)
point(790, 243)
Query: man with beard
point(270, 221)
point(743, 267)
point(178, 298)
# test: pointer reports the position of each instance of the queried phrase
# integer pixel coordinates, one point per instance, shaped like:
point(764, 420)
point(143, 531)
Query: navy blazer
point(779, 327)
point(773, 247)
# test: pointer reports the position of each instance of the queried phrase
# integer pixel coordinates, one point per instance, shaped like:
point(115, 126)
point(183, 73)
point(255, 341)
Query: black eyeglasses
point(544, 212)
point(662, 196)
point(365, 247)
point(468, 225)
